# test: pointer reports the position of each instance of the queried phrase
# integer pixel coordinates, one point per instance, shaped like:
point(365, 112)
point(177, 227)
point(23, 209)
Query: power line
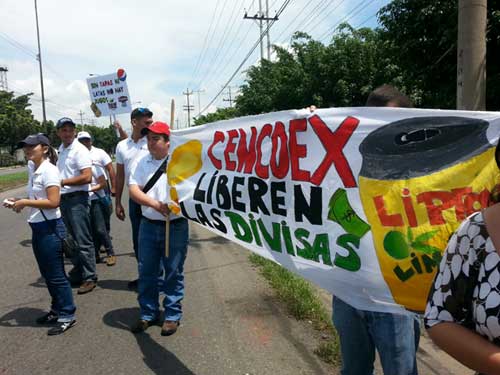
point(202, 51)
point(278, 13)
point(218, 49)
point(348, 16)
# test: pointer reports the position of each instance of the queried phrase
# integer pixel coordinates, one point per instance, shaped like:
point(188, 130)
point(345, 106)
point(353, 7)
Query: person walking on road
point(149, 188)
point(75, 168)
point(127, 151)
point(100, 201)
point(102, 160)
point(47, 229)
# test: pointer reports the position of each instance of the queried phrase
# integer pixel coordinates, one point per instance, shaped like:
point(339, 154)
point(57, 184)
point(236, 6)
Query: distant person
point(463, 308)
point(127, 151)
point(47, 229)
point(102, 160)
point(75, 168)
point(361, 332)
point(100, 201)
point(152, 196)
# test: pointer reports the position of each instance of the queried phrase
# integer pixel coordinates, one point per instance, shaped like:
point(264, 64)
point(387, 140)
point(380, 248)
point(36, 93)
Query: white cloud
point(157, 42)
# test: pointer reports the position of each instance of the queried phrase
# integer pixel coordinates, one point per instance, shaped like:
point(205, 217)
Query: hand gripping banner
point(360, 201)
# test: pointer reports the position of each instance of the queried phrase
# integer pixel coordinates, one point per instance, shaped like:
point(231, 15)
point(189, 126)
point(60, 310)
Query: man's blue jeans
point(151, 256)
point(99, 209)
point(47, 248)
point(75, 210)
point(394, 336)
point(134, 212)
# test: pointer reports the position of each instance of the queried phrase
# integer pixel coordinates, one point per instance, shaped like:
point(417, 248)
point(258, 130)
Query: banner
point(360, 201)
point(109, 94)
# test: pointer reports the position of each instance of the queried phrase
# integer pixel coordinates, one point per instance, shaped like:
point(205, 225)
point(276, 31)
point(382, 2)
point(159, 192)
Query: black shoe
point(143, 325)
point(133, 285)
point(61, 327)
point(48, 318)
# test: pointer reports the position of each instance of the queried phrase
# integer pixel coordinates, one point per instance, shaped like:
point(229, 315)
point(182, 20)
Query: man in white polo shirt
point(153, 197)
point(127, 151)
point(74, 166)
point(102, 161)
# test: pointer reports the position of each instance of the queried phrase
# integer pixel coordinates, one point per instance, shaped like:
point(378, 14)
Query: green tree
point(341, 73)
point(421, 38)
point(16, 119)
point(102, 137)
point(218, 115)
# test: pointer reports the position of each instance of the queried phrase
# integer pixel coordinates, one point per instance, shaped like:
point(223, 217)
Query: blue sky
point(164, 46)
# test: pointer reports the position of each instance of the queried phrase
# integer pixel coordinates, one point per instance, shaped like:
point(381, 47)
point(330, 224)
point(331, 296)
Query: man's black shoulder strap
point(156, 176)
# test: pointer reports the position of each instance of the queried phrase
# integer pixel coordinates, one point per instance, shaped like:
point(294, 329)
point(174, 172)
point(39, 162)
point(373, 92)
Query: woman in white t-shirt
point(47, 229)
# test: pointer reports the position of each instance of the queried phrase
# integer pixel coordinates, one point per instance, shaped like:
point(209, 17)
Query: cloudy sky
point(165, 47)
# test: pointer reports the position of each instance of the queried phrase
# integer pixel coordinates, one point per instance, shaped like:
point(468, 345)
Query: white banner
point(109, 94)
point(360, 201)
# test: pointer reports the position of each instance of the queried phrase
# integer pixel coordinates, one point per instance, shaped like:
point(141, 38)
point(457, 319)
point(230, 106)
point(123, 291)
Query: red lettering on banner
point(334, 144)
point(246, 155)
point(387, 220)
point(218, 137)
point(279, 154)
point(298, 151)
point(262, 170)
point(230, 148)
point(285, 151)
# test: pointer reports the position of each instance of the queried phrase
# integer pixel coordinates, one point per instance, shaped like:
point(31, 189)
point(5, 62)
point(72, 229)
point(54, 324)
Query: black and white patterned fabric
point(466, 289)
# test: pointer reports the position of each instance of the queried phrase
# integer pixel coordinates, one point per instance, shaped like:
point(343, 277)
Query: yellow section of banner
point(411, 221)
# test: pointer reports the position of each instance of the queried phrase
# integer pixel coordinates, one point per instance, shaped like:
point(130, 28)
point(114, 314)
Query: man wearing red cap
point(148, 187)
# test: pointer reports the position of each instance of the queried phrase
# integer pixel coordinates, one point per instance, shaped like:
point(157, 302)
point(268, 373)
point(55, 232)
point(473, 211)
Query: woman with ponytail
point(47, 229)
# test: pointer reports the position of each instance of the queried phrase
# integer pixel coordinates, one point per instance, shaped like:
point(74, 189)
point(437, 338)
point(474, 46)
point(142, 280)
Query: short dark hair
point(385, 94)
point(141, 112)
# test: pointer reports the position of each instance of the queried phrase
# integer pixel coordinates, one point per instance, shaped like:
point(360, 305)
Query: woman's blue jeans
point(48, 253)
point(151, 256)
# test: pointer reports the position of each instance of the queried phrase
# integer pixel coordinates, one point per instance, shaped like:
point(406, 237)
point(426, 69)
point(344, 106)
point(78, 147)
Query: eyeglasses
point(142, 110)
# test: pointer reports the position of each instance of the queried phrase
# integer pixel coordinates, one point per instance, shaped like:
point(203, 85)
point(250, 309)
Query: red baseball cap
point(157, 127)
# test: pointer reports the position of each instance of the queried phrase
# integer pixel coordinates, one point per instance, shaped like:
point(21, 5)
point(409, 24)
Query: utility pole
point(471, 55)
point(230, 100)
point(3, 78)
point(188, 107)
point(81, 118)
point(39, 58)
point(260, 17)
point(267, 28)
point(199, 100)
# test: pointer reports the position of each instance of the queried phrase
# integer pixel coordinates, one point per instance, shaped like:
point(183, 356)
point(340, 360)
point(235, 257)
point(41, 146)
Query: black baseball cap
point(64, 121)
point(33, 140)
point(140, 112)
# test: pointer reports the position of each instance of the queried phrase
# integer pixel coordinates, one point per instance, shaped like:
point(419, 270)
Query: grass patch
point(302, 303)
point(12, 180)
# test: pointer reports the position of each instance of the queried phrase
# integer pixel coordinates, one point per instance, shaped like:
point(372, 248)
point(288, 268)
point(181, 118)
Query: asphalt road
point(233, 323)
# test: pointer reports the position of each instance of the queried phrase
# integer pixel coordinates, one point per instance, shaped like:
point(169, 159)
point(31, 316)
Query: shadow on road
point(25, 243)
point(114, 284)
point(39, 283)
point(22, 317)
point(156, 357)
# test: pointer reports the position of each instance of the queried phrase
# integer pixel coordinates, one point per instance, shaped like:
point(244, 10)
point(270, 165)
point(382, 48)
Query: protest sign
point(109, 94)
point(360, 201)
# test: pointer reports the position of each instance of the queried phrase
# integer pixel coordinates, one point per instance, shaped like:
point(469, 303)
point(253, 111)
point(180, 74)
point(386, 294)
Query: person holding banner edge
point(148, 187)
point(394, 336)
point(127, 151)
